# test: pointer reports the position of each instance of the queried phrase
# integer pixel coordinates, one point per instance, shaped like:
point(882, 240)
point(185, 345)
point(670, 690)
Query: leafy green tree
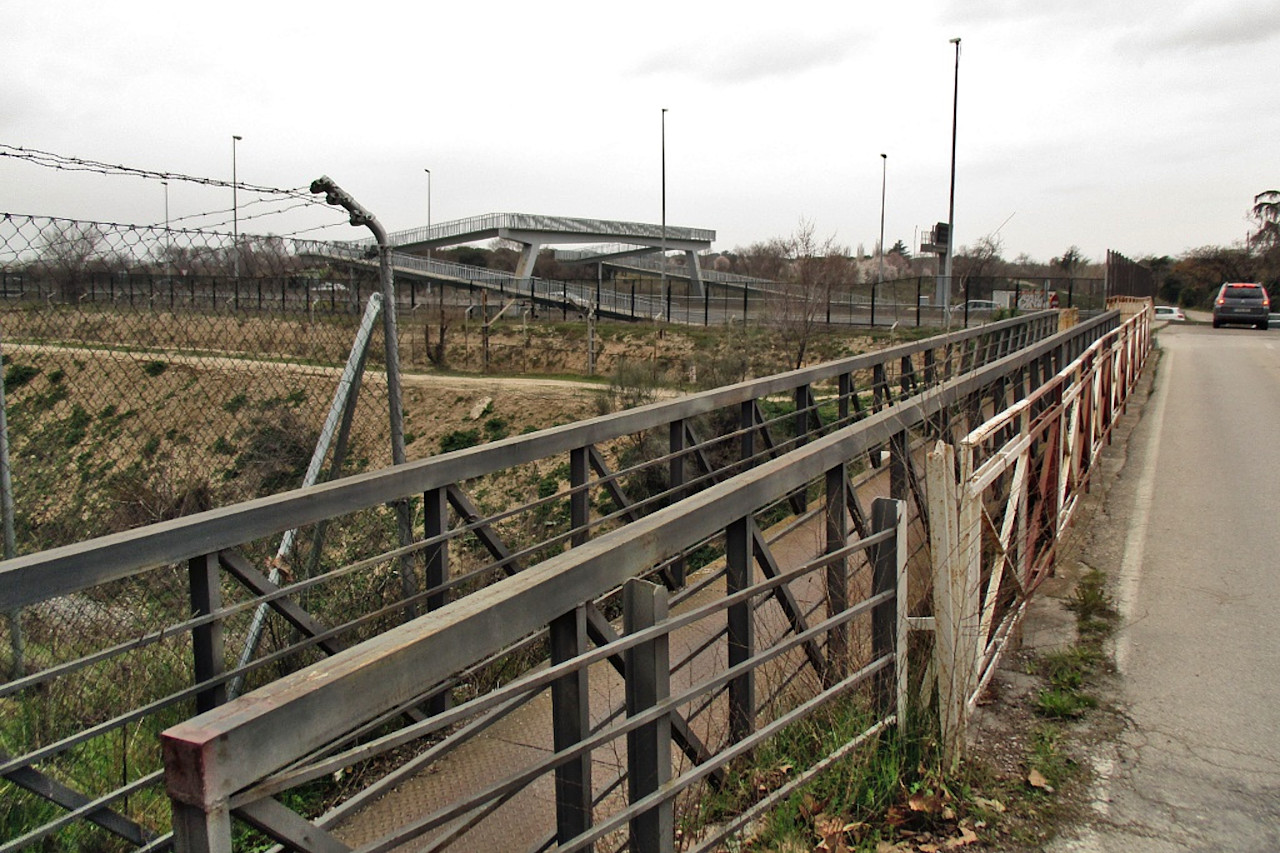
point(1070, 261)
point(1266, 240)
point(1266, 213)
point(1199, 273)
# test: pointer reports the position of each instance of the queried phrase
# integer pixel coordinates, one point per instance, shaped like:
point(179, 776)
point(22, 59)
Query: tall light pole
point(884, 174)
point(428, 171)
point(235, 208)
point(663, 260)
point(951, 209)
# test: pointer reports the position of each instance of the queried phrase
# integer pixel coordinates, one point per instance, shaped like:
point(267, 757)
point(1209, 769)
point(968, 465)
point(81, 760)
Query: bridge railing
point(147, 627)
point(238, 757)
point(1018, 482)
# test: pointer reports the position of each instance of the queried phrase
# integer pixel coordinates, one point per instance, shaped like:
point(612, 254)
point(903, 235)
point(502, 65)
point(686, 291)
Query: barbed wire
point(62, 162)
point(301, 196)
point(248, 217)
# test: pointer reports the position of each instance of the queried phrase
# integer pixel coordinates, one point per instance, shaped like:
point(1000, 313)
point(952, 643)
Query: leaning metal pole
point(335, 195)
point(343, 400)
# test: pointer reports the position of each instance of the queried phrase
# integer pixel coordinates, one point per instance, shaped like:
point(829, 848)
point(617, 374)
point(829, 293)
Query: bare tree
point(811, 273)
point(68, 253)
point(980, 260)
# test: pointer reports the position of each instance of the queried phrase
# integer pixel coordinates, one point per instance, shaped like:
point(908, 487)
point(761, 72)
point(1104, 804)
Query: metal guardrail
point(212, 555)
point(1021, 476)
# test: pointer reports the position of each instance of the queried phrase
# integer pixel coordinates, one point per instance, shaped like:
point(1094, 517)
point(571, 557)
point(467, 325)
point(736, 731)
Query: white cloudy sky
point(1145, 127)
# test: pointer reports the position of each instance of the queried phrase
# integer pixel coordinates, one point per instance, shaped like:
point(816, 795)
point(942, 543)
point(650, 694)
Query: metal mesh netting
point(151, 372)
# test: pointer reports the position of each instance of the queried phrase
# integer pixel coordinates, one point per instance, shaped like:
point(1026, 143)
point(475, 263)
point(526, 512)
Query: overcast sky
point(1144, 127)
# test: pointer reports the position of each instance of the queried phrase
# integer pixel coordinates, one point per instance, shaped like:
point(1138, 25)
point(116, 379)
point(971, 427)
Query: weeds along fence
point(115, 639)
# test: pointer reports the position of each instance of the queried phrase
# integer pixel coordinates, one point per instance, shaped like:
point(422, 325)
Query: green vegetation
point(459, 439)
point(18, 375)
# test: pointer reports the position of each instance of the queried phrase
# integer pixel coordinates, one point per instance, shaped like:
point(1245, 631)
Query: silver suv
point(1242, 302)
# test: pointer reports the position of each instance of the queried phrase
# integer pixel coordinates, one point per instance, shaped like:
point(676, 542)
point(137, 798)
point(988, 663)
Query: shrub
point(18, 375)
point(459, 439)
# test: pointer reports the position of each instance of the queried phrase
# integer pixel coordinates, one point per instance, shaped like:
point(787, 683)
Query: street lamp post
point(662, 261)
point(235, 209)
point(951, 209)
point(884, 173)
point(428, 171)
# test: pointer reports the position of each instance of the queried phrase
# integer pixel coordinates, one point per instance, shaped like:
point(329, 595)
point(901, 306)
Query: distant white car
point(328, 287)
point(1169, 312)
point(976, 306)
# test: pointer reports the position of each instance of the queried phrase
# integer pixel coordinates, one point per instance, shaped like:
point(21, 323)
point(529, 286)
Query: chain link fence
point(150, 372)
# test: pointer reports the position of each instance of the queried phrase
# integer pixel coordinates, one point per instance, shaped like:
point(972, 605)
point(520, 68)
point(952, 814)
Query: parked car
point(328, 287)
point(976, 306)
point(1170, 312)
point(1242, 302)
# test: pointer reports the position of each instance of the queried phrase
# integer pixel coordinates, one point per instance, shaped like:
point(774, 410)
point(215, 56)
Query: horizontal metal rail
point(63, 571)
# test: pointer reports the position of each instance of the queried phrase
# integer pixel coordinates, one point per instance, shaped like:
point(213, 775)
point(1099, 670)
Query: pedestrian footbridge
point(534, 232)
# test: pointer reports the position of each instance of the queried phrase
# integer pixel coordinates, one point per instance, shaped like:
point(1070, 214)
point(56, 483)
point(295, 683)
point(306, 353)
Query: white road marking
point(1140, 517)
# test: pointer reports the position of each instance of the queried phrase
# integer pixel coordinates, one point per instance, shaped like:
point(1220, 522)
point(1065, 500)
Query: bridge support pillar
point(528, 258)
point(695, 274)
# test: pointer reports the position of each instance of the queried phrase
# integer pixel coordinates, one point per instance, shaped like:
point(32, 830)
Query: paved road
point(1199, 592)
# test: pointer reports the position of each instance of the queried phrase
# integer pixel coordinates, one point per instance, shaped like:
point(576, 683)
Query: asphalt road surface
point(1198, 650)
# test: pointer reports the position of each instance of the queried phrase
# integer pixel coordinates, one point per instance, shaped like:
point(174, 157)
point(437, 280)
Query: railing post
point(571, 722)
point(197, 830)
point(580, 498)
point(837, 576)
point(676, 484)
point(803, 420)
point(885, 513)
point(741, 628)
point(899, 447)
point(649, 746)
point(846, 390)
point(206, 639)
point(435, 514)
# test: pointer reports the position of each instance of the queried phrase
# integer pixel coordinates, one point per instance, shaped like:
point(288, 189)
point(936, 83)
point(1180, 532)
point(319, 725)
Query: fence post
point(837, 576)
point(435, 514)
point(201, 830)
point(884, 617)
point(649, 746)
point(335, 195)
point(579, 498)
point(206, 639)
point(677, 493)
point(570, 715)
point(741, 628)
